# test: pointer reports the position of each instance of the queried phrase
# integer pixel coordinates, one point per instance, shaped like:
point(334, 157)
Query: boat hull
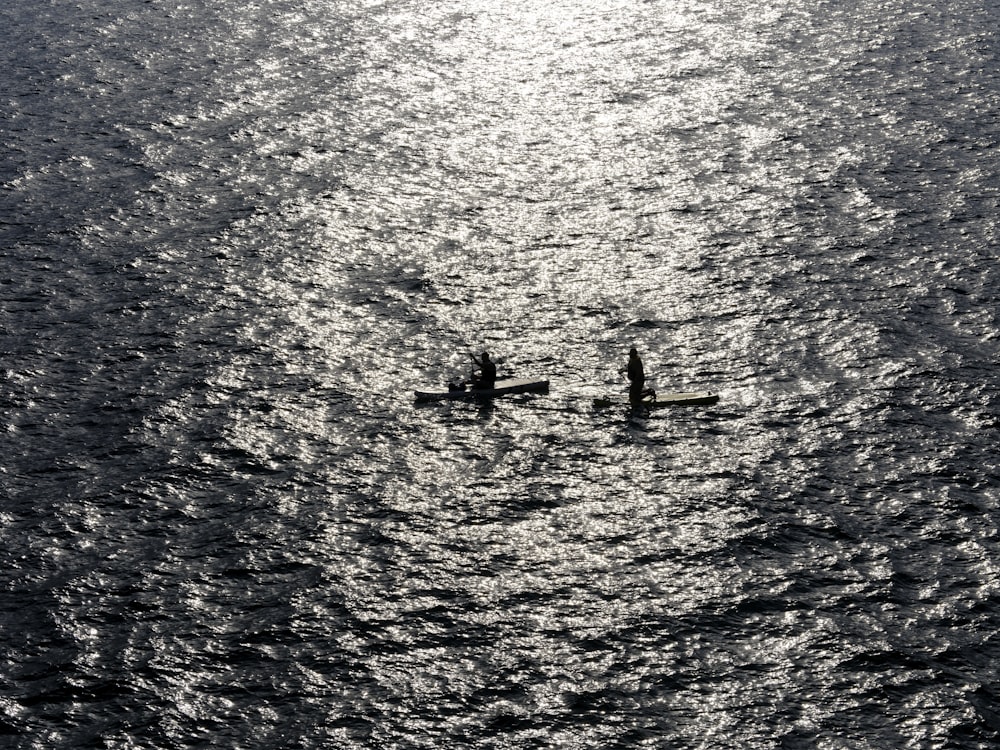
point(501, 388)
point(661, 400)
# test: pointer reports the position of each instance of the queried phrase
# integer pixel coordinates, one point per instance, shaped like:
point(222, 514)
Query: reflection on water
point(238, 237)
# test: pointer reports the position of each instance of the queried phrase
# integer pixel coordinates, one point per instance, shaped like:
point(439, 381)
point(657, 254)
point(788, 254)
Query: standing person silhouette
point(636, 377)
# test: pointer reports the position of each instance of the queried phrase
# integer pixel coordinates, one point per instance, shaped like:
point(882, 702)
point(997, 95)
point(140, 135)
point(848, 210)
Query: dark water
point(236, 235)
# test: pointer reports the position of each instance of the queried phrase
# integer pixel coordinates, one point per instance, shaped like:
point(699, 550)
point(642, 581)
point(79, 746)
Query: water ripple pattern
point(236, 236)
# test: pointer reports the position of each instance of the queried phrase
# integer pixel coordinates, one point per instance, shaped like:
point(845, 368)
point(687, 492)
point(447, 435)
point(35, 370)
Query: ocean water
point(236, 235)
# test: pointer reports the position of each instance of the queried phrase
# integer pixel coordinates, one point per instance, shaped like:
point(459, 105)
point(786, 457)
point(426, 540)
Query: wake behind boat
point(500, 388)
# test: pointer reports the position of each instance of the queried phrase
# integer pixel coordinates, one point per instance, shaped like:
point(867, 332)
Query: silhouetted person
point(487, 375)
point(636, 377)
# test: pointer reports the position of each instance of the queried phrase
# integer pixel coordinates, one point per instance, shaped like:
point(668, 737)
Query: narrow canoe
point(501, 388)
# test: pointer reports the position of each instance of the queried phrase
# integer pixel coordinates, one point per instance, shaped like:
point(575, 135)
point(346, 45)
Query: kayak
point(694, 398)
point(500, 388)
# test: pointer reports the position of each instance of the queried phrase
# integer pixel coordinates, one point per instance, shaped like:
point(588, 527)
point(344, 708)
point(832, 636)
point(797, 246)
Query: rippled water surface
point(236, 236)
